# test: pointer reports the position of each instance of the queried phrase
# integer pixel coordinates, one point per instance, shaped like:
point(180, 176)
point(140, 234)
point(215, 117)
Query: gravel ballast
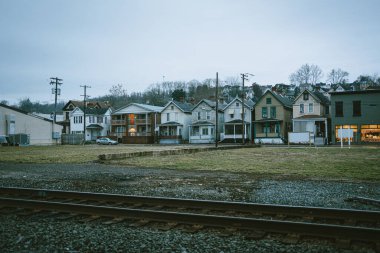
point(39, 233)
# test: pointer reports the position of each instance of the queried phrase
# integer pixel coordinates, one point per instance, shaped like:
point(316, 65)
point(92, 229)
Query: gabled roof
point(212, 104)
point(316, 95)
point(92, 111)
point(184, 107)
point(286, 102)
point(89, 104)
point(248, 103)
point(150, 108)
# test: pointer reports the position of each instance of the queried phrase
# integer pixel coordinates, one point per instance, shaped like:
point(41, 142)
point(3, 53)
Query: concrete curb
point(108, 157)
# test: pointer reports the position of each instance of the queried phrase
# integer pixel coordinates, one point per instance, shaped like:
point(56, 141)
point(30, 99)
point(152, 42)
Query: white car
point(106, 141)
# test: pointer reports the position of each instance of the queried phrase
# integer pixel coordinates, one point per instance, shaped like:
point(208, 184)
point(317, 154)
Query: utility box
point(56, 135)
point(19, 139)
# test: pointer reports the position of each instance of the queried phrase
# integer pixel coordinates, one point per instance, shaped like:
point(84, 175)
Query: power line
point(244, 77)
point(56, 91)
point(84, 110)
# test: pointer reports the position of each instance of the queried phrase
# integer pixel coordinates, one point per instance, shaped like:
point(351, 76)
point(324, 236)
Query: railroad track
point(343, 226)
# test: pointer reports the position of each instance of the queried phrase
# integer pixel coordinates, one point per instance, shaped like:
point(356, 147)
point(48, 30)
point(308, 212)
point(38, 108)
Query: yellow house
point(273, 118)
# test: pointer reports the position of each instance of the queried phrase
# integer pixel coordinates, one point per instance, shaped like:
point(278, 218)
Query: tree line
point(193, 91)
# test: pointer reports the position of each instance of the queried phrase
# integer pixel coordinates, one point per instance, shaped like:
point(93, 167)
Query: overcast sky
point(136, 43)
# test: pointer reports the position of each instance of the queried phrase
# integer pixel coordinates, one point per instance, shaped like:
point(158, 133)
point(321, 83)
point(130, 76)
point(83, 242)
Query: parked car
point(106, 141)
point(4, 140)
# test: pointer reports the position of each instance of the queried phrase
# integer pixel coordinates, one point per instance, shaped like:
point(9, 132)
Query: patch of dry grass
point(68, 153)
point(357, 163)
point(322, 163)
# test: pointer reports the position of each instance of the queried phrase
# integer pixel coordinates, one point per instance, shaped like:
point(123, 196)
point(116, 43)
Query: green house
point(358, 111)
point(273, 118)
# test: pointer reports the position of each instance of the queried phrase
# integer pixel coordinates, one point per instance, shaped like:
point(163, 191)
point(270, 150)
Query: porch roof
point(310, 117)
point(203, 123)
point(236, 121)
point(267, 120)
point(94, 126)
point(171, 123)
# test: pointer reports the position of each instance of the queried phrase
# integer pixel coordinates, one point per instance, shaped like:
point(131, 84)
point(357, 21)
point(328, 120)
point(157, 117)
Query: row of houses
point(312, 117)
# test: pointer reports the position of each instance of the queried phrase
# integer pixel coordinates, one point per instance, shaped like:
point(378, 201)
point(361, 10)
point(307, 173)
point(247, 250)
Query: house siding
point(39, 130)
point(283, 116)
point(370, 112)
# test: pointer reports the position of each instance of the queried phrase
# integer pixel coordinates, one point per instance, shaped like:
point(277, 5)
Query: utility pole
point(243, 77)
point(216, 110)
point(57, 82)
point(84, 111)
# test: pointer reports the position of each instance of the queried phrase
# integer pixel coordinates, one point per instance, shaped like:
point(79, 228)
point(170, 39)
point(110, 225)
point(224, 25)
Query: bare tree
point(306, 74)
point(337, 76)
point(118, 91)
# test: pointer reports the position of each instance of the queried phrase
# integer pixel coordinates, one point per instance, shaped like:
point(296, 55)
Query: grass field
point(357, 163)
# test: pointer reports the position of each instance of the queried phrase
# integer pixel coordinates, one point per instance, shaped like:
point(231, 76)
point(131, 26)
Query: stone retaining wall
point(108, 157)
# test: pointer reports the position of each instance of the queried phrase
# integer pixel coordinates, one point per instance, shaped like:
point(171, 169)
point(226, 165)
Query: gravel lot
point(43, 234)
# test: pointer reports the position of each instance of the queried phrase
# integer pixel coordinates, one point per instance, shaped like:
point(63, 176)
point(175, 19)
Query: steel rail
point(311, 229)
point(267, 209)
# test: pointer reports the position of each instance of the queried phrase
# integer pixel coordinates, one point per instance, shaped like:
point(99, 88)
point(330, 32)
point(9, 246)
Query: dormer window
point(306, 96)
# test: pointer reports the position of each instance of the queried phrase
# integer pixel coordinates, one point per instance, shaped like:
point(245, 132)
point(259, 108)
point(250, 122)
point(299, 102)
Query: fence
point(72, 139)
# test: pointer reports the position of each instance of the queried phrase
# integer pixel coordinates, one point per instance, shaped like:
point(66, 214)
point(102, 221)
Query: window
point(199, 115)
point(204, 131)
point(195, 130)
point(105, 120)
point(77, 119)
point(327, 109)
point(269, 101)
point(232, 116)
point(237, 104)
point(311, 107)
point(99, 120)
point(264, 112)
point(273, 112)
point(172, 107)
point(338, 109)
point(370, 133)
point(168, 117)
point(302, 108)
point(306, 96)
point(356, 106)
point(208, 115)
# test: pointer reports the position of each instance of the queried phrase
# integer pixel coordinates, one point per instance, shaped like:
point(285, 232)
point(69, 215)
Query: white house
point(37, 130)
point(310, 118)
point(202, 127)
point(233, 125)
point(136, 123)
point(98, 122)
point(175, 121)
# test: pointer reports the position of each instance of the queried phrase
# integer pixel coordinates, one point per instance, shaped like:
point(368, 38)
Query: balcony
point(118, 122)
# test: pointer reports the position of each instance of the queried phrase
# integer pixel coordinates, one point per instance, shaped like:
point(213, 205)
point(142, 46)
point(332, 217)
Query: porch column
point(189, 134)
point(326, 132)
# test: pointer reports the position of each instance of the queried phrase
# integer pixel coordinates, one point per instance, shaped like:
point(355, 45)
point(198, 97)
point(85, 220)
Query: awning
point(94, 126)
